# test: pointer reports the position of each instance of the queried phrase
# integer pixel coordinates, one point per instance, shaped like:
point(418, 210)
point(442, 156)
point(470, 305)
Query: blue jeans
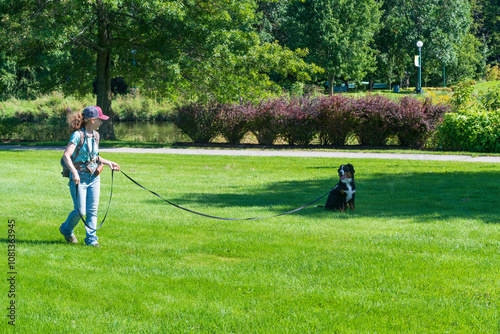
point(88, 202)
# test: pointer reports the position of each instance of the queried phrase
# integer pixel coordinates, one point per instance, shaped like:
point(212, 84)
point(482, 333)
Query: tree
point(469, 61)
point(440, 25)
point(336, 33)
point(486, 14)
point(206, 45)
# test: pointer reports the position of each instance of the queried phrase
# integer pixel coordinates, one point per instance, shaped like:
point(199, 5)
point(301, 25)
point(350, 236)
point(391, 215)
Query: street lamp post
point(419, 45)
point(133, 63)
point(444, 75)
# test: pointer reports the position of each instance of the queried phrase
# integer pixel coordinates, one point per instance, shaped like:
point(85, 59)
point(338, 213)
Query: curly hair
point(75, 121)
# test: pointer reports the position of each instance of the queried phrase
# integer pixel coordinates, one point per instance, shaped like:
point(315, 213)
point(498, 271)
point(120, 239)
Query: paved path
point(275, 153)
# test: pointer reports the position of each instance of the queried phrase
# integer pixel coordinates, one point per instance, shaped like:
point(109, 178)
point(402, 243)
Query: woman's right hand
point(68, 152)
point(76, 178)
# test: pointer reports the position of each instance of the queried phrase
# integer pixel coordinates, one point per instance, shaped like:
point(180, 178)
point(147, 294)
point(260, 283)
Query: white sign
point(417, 61)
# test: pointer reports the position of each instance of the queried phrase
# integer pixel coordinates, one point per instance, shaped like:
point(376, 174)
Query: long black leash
point(214, 217)
point(107, 210)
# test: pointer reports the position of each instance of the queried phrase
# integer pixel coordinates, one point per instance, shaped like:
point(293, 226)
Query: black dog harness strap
point(107, 210)
point(214, 217)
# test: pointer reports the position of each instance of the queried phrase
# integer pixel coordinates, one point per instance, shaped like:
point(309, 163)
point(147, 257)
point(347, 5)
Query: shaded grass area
point(419, 255)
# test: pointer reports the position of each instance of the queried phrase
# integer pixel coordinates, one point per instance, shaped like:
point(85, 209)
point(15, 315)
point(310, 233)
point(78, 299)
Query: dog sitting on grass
point(342, 195)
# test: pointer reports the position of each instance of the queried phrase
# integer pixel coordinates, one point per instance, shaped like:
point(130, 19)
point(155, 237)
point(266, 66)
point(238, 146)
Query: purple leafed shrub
point(335, 119)
point(372, 118)
point(234, 121)
point(410, 123)
point(435, 112)
point(373, 115)
point(266, 120)
point(300, 121)
point(198, 122)
point(415, 121)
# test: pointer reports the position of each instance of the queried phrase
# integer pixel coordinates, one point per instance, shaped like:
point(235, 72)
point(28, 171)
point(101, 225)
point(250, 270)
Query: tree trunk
point(346, 82)
point(330, 84)
point(103, 85)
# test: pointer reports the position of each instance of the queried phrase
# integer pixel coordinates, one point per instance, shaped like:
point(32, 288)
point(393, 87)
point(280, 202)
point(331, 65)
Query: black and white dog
point(342, 195)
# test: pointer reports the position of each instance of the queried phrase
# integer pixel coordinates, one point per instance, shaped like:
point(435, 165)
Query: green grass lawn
point(485, 86)
point(421, 253)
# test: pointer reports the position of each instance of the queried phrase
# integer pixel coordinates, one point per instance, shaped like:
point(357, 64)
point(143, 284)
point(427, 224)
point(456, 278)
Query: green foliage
point(205, 51)
point(473, 131)
point(492, 73)
point(337, 34)
point(8, 126)
point(490, 100)
point(487, 27)
point(463, 96)
point(467, 63)
point(141, 108)
point(42, 126)
point(441, 25)
point(41, 119)
point(475, 125)
point(16, 80)
point(224, 50)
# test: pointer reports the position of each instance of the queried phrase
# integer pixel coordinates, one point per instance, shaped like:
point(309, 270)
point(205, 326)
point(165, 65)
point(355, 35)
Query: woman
point(82, 167)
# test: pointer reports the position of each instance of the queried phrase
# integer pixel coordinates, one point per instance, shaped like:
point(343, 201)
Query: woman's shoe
point(71, 239)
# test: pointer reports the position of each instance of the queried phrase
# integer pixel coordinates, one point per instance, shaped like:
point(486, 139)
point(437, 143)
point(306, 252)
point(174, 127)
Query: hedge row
point(299, 120)
point(475, 131)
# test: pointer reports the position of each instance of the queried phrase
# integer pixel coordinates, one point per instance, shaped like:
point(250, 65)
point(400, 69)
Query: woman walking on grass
point(82, 158)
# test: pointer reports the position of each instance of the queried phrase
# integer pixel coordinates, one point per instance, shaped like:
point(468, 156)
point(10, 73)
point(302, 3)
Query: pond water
point(155, 132)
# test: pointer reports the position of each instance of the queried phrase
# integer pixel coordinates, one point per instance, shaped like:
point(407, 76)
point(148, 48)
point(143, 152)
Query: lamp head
point(420, 44)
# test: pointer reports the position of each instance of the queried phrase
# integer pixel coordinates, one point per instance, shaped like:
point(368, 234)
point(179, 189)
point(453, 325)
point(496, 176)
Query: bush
point(300, 121)
point(266, 120)
point(234, 121)
point(335, 119)
point(490, 100)
point(198, 122)
point(415, 121)
point(470, 131)
point(438, 89)
point(475, 124)
point(373, 119)
point(463, 95)
point(492, 73)
point(8, 126)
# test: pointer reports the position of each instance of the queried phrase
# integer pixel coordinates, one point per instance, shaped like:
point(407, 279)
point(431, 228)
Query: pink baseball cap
point(94, 112)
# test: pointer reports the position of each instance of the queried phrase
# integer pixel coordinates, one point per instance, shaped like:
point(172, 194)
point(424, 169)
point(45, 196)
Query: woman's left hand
point(114, 166)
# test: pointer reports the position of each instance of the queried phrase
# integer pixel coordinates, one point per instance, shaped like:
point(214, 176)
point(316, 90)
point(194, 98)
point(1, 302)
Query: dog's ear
point(351, 167)
point(341, 170)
